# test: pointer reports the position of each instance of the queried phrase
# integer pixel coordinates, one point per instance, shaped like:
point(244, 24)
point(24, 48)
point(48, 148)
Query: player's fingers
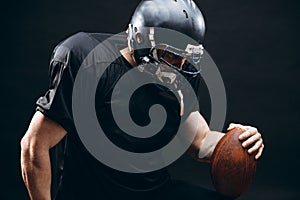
point(248, 133)
point(234, 125)
point(255, 147)
point(259, 153)
point(252, 138)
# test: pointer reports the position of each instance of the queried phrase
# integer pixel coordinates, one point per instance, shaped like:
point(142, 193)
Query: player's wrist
point(208, 145)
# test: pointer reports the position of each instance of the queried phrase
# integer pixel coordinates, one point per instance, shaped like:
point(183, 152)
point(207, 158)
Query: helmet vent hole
point(186, 14)
point(139, 38)
point(135, 29)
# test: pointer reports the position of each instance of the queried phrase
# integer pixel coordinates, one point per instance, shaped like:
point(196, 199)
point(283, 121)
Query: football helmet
point(173, 26)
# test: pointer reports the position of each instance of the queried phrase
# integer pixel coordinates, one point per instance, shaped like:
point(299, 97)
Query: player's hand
point(251, 138)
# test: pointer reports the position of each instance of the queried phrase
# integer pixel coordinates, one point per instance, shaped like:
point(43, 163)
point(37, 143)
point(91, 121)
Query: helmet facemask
point(191, 56)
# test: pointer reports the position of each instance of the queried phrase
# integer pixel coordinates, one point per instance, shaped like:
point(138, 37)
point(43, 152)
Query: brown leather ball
point(232, 168)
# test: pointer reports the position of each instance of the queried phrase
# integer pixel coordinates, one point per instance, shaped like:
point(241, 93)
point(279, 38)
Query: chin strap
point(129, 32)
point(181, 103)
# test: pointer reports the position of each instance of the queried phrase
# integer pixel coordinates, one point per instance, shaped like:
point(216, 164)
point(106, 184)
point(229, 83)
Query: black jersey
point(81, 176)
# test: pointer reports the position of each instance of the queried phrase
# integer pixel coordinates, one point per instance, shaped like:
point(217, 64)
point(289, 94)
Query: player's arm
point(206, 140)
point(41, 135)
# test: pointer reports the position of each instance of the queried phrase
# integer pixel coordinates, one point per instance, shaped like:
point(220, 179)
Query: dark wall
point(254, 43)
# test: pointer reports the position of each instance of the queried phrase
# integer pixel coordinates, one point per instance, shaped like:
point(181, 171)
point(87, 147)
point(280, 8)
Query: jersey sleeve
point(56, 103)
point(194, 104)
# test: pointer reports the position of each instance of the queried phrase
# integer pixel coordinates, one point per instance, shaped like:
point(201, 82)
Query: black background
point(254, 43)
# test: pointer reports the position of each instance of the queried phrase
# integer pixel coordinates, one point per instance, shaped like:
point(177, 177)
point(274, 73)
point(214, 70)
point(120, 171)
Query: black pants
point(173, 190)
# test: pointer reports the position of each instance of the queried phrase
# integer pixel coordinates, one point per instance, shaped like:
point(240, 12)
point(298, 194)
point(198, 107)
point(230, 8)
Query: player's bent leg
point(178, 189)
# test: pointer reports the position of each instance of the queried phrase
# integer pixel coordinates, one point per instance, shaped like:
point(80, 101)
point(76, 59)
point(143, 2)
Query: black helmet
point(176, 26)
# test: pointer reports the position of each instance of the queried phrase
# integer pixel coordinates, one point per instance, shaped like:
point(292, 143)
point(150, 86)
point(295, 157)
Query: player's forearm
point(36, 173)
point(207, 145)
